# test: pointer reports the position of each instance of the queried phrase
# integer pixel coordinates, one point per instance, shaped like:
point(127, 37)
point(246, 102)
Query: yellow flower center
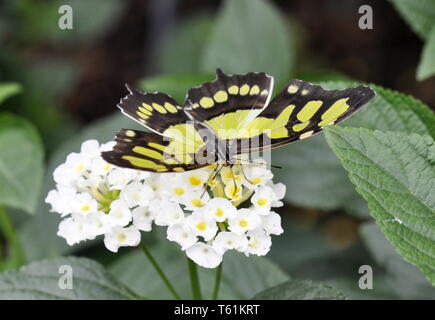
point(85, 208)
point(194, 181)
point(197, 203)
point(219, 212)
point(201, 226)
point(262, 202)
point(243, 223)
point(256, 181)
point(121, 237)
point(80, 167)
point(179, 191)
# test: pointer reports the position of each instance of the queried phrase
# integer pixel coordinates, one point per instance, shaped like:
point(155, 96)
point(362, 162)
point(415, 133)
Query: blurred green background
point(68, 83)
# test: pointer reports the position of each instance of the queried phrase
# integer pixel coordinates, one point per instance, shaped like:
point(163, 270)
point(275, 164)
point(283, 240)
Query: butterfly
point(222, 120)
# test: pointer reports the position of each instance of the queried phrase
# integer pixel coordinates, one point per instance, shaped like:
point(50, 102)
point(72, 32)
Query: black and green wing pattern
point(299, 111)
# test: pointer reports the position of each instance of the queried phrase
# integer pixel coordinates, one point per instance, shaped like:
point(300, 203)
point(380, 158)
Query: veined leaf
point(300, 290)
point(48, 280)
point(395, 173)
point(313, 175)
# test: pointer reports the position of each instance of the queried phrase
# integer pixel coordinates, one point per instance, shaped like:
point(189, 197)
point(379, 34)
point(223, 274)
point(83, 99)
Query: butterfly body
point(224, 119)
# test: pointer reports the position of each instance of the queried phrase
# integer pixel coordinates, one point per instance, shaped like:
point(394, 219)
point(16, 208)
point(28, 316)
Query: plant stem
point(194, 280)
point(217, 281)
point(16, 256)
point(159, 271)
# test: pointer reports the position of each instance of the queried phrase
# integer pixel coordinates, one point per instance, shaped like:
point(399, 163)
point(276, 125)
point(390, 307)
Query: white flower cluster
point(198, 208)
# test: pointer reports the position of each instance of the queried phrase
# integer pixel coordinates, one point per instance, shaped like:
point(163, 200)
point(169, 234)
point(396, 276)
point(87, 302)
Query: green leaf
point(249, 35)
point(321, 181)
point(21, 163)
point(39, 232)
point(405, 279)
point(300, 290)
point(176, 85)
point(426, 66)
point(241, 278)
point(395, 173)
point(420, 15)
point(41, 281)
point(8, 89)
point(182, 50)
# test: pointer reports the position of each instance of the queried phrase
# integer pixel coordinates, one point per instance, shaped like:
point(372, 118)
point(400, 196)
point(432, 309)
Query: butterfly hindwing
point(300, 110)
point(149, 152)
point(156, 111)
point(229, 102)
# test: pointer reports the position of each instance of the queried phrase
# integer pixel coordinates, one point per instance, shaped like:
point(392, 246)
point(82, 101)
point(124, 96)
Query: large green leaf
point(40, 281)
point(404, 279)
point(426, 67)
point(312, 173)
point(21, 163)
point(419, 14)
point(395, 173)
point(249, 35)
point(300, 290)
point(241, 278)
point(8, 89)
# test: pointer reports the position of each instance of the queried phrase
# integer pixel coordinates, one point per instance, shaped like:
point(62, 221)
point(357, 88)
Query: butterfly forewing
point(230, 102)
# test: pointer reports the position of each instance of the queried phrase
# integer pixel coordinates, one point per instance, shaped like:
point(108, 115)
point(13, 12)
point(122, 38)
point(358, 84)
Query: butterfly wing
point(300, 110)
point(156, 111)
point(230, 102)
point(151, 152)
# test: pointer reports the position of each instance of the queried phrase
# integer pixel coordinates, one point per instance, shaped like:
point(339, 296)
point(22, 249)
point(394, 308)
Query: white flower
point(196, 179)
point(259, 242)
point(97, 223)
point(78, 162)
point(182, 235)
point(73, 230)
point(121, 237)
point(202, 225)
point(61, 200)
point(272, 223)
point(229, 240)
point(263, 198)
point(246, 219)
point(65, 176)
point(143, 218)
point(83, 203)
point(204, 255)
point(220, 209)
point(279, 189)
point(193, 200)
point(119, 213)
point(137, 194)
point(119, 178)
point(90, 149)
point(100, 167)
point(167, 212)
point(257, 174)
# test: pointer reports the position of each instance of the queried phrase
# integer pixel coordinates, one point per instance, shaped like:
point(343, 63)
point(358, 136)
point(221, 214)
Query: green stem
point(217, 281)
point(194, 280)
point(159, 271)
point(16, 257)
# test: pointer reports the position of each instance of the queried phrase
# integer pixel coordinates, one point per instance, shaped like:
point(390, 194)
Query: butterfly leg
point(212, 176)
